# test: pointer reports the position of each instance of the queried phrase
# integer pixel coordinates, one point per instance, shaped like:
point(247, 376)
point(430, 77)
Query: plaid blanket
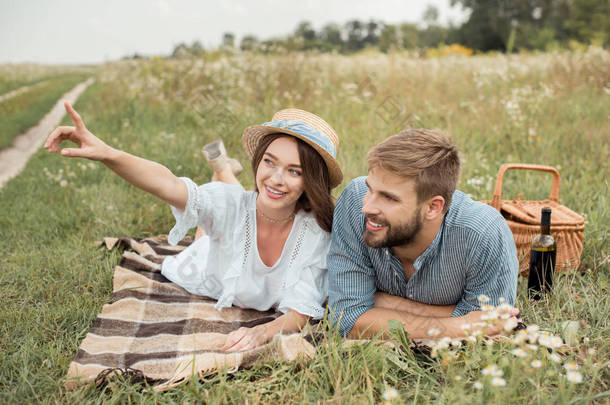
point(158, 330)
point(155, 330)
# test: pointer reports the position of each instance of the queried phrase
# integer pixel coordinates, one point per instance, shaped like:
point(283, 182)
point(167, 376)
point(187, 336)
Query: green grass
point(53, 281)
point(24, 110)
point(14, 76)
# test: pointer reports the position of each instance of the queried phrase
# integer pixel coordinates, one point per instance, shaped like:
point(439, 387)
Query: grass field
point(14, 76)
point(24, 110)
point(549, 109)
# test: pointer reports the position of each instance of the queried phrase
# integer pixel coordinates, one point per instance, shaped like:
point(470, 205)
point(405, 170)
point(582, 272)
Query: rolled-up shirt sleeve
point(492, 270)
point(351, 276)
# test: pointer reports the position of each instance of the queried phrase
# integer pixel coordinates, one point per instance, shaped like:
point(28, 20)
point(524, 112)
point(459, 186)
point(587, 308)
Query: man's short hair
point(425, 155)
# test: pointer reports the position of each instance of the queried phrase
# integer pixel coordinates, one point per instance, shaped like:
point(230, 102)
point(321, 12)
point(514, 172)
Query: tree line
point(492, 25)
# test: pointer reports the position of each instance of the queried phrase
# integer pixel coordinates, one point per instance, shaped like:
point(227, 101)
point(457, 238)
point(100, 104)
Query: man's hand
point(246, 338)
point(491, 322)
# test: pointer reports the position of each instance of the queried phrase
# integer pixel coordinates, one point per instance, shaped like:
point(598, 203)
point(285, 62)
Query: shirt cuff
point(346, 319)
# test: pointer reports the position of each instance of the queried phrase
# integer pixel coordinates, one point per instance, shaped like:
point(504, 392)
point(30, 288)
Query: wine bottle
point(542, 259)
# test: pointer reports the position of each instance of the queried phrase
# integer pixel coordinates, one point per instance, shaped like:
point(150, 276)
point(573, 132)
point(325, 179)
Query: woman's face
point(279, 176)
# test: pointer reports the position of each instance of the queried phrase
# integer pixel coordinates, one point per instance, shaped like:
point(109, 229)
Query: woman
point(262, 249)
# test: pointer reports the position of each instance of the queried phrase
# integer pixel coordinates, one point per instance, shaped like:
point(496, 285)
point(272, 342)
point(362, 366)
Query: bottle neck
point(545, 221)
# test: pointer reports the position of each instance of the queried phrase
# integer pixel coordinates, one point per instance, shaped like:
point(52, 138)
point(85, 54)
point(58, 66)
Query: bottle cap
point(546, 217)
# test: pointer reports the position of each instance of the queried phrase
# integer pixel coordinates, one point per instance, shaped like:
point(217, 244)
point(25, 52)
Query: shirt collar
point(432, 249)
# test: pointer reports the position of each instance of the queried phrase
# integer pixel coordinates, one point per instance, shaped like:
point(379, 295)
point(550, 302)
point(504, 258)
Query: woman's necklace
point(274, 220)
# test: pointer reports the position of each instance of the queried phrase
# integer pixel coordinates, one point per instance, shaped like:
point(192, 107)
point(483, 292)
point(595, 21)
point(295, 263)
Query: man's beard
point(397, 235)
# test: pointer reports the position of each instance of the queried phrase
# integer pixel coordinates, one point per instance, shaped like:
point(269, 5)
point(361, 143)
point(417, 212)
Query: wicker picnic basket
point(523, 218)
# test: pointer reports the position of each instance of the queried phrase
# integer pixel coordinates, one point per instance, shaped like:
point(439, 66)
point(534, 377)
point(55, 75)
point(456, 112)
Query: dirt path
point(20, 90)
point(14, 159)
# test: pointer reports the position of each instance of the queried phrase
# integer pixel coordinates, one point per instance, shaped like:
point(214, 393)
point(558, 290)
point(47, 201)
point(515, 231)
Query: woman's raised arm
point(145, 174)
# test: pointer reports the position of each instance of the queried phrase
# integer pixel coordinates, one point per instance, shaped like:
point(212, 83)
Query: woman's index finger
point(78, 122)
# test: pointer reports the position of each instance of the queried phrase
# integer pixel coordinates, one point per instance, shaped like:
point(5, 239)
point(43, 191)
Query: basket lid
point(530, 212)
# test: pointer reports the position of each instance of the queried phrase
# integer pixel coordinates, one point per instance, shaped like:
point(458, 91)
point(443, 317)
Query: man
point(407, 246)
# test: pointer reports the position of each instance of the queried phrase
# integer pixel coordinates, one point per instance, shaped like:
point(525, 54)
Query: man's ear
point(434, 207)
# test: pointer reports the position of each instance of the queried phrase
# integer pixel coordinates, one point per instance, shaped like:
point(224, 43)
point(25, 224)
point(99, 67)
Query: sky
point(96, 31)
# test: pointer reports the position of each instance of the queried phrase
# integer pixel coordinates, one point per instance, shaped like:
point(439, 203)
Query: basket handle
point(496, 200)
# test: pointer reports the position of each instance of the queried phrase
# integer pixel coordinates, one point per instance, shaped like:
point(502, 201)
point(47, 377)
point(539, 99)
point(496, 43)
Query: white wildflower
point(510, 324)
point(571, 366)
point(574, 377)
point(550, 341)
point(434, 332)
point(492, 370)
point(390, 394)
point(532, 347)
point(63, 183)
point(465, 326)
point(483, 298)
point(458, 378)
point(556, 342)
point(519, 353)
point(536, 363)
point(498, 382)
point(477, 385)
point(554, 357)
point(456, 343)
point(475, 181)
point(520, 337)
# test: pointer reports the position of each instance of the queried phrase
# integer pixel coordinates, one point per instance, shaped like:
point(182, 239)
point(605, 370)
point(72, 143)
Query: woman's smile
point(279, 178)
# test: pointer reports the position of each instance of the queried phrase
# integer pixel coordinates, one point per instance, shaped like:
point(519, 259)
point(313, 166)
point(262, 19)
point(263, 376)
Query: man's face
point(393, 217)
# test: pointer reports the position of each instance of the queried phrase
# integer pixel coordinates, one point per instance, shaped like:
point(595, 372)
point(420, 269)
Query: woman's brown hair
point(317, 196)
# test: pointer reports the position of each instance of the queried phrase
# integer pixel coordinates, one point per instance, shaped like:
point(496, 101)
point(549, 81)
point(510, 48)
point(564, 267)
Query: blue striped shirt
point(473, 253)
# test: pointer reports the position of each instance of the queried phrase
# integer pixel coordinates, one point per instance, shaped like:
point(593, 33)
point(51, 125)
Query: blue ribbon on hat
point(306, 131)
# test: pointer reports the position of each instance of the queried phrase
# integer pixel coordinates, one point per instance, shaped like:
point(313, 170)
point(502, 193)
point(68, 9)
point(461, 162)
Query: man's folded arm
point(389, 301)
point(375, 320)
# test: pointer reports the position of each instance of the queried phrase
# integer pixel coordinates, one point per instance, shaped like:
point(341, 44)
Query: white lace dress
point(225, 264)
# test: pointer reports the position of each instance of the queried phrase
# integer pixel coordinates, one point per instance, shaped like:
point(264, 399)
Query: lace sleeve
point(188, 218)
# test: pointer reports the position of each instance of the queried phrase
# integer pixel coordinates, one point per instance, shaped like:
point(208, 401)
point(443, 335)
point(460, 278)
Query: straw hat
point(306, 126)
